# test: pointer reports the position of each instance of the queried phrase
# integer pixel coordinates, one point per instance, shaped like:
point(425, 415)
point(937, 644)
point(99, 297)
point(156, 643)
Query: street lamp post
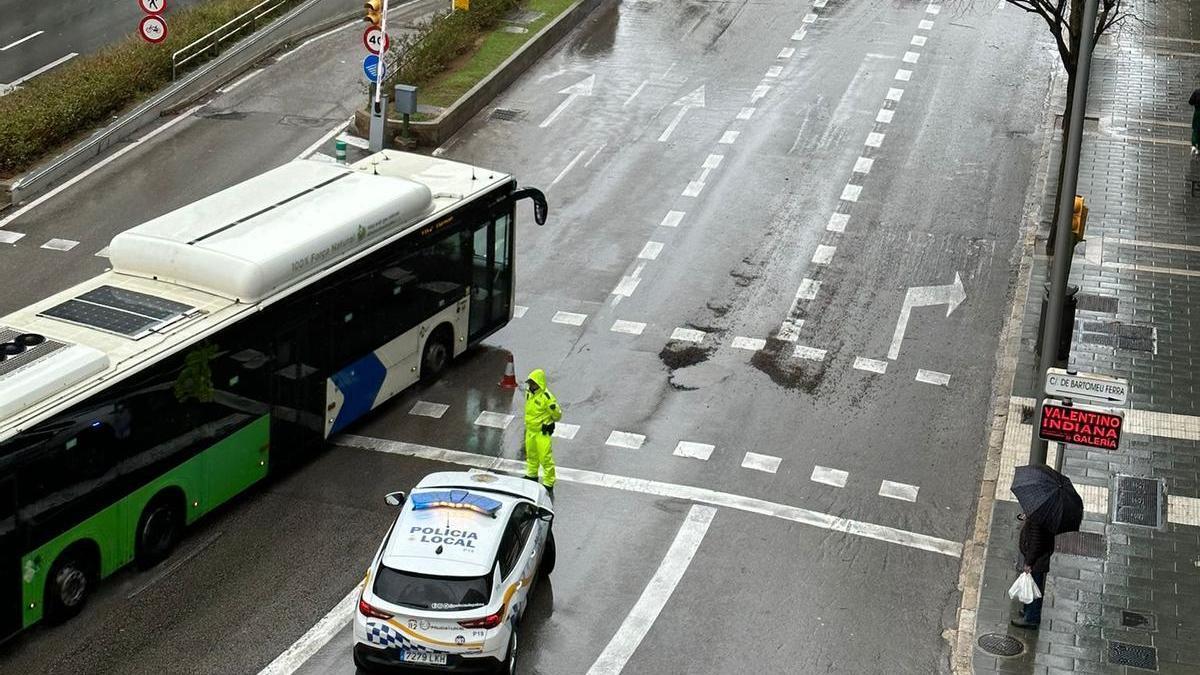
point(1061, 267)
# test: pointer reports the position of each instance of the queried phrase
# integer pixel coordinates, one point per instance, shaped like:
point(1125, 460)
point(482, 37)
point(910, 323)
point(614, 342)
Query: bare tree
point(1064, 18)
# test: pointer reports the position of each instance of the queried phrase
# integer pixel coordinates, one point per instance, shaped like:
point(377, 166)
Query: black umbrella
point(1048, 498)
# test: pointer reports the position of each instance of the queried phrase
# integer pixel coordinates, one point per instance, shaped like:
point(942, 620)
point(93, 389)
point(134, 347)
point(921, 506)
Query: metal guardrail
point(211, 43)
point(111, 134)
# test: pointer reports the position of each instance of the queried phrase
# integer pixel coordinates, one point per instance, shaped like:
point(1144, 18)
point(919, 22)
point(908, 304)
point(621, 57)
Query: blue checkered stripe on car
point(386, 636)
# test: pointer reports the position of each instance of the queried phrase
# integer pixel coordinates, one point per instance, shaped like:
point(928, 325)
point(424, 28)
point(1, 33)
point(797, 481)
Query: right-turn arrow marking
point(925, 296)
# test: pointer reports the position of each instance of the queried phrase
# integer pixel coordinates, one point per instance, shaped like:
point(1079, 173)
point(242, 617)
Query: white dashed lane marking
point(933, 9)
point(8, 237)
point(919, 40)
point(885, 116)
point(569, 318)
point(799, 35)
point(729, 137)
point(687, 335)
point(693, 189)
point(427, 409)
point(871, 365)
point(874, 139)
point(901, 491)
point(895, 94)
point(759, 92)
point(564, 430)
point(827, 476)
point(752, 344)
point(651, 250)
point(863, 165)
point(701, 451)
point(628, 327)
point(625, 439)
point(672, 219)
point(850, 193)
point(60, 244)
point(764, 463)
point(786, 52)
point(809, 353)
point(933, 377)
point(911, 57)
point(837, 222)
point(712, 161)
point(774, 71)
point(519, 311)
point(745, 113)
point(925, 25)
point(808, 289)
point(903, 75)
point(789, 331)
point(809, 18)
point(102, 253)
point(626, 286)
point(494, 420)
point(824, 254)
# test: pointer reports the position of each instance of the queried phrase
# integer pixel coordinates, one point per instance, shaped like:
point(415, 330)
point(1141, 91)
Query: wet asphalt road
point(942, 195)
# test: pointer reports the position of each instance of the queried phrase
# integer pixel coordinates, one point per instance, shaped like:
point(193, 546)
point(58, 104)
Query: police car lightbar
point(455, 499)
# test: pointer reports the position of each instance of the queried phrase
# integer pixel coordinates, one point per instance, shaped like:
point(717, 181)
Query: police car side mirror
point(394, 498)
point(546, 515)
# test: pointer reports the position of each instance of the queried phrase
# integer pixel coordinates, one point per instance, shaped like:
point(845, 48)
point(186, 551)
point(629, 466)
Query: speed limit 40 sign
point(376, 40)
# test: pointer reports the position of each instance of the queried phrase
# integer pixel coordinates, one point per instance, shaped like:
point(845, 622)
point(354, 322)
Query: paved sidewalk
point(1122, 598)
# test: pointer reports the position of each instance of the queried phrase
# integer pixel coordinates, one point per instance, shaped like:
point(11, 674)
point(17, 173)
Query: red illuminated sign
point(1081, 425)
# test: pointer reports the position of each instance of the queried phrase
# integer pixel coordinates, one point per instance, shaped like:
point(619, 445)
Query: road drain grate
point(1000, 645)
point(1091, 302)
point(507, 114)
point(1138, 620)
point(1136, 656)
point(1088, 544)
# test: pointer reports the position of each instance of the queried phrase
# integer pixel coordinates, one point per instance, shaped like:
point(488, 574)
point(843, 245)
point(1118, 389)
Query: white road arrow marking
point(951, 295)
point(692, 100)
point(580, 88)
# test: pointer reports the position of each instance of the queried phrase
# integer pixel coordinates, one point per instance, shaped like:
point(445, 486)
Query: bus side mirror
point(540, 208)
point(394, 498)
point(546, 515)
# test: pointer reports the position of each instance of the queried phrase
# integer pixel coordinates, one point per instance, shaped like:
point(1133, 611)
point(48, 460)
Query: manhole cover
point(1138, 620)
point(507, 114)
point(1137, 656)
point(1087, 544)
point(1000, 645)
point(302, 121)
point(1091, 302)
point(1139, 501)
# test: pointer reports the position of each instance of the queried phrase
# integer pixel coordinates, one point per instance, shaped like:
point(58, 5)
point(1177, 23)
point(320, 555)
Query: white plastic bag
point(1024, 589)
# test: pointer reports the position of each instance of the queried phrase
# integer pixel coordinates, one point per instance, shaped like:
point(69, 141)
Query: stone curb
point(437, 131)
point(961, 639)
point(225, 67)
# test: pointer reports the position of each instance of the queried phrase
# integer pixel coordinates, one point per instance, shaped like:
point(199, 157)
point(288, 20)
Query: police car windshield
point(421, 591)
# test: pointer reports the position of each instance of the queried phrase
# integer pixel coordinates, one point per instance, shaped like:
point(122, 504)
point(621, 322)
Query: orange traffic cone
point(509, 381)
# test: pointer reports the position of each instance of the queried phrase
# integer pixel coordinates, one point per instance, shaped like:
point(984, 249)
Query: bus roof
point(186, 274)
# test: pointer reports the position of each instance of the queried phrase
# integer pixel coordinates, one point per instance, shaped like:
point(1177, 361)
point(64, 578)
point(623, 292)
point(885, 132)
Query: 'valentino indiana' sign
point(1081, 425)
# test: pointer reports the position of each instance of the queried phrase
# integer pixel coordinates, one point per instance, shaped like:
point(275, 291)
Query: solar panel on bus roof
point(104, 318)
point(132, 301)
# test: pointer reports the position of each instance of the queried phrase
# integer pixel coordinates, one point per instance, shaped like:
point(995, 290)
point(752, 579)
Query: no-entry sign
point(1081, 425)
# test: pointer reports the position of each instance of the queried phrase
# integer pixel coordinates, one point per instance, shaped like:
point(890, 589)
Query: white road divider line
point(799, 35)
point(838, 222)
point(904, 75)
point(809, 18)
point(919, 40)
point(244, 79)
point(824, 254)
point(701, 451)
point(60, 244)
point(628, 327)
point(764, 463)
point(9, 237)
point(746, 113)
point(625, 439)
point(25, 78)
point(693, 189)
point(102, 253)
point(316, 637)
point(863, 165)
point(495, 420)
point(672, 219)
point(901, 491)
point(567, 168)
point(729, 137)
point(809, 353)
point(933, 377)
point(774, 71)
point(759, 92)
point(569, 318)
point(428, 409)
point(874, 139)
point(749, 343)
point(647, 608)
point(808, 289)
point(17, 42)
point(925, 24)
point(933, 9)
point(325, 138)
point(793, 514)
point(688, 335)
point(519, 311)
point(712, 161)
point(789, 330)
point(635, 93)
point(786, 53)
point(99, 165)
point(350, 139)
point(911, 57)
point(826, 476)
point(870, 365)
point(626, 286)
point(895, 94)
point(564, 430)
point(850, 193)
point(651, 250)
point(885, 116)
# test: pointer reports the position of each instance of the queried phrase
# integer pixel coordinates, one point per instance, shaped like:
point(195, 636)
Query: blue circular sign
point(371, 67)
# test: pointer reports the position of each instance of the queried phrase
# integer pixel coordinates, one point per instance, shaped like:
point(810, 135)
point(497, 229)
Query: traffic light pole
point(378, 107)
point(1061, 267)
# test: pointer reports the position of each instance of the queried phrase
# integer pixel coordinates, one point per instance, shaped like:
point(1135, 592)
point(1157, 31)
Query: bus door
point(10, 559)
point(297, 389)
point(491, 274)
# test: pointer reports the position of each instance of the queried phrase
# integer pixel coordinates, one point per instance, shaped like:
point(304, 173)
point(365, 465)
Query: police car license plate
point(431, 658)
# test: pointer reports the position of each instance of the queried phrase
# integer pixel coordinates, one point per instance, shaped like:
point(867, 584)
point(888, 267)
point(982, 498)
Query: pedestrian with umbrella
point(1051, 506)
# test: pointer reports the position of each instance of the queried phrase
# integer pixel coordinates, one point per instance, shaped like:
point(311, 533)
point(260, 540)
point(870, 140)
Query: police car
point(451, 579)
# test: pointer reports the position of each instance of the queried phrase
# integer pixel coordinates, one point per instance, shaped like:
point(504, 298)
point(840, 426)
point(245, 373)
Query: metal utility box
point(406, 99)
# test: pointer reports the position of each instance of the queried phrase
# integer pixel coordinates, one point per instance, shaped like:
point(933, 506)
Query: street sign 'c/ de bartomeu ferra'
point(1066, 384)
point(1081, 425)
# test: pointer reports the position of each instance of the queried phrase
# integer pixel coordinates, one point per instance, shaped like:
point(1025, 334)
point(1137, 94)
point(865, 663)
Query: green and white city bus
point(231, 337)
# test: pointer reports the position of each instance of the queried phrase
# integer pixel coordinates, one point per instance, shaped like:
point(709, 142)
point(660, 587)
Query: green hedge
point(435, 44)
point(88, 91)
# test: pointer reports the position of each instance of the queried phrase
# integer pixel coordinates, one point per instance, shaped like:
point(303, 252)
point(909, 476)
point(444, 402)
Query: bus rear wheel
point(437, 354)
point(158, 532)
point(68, 585)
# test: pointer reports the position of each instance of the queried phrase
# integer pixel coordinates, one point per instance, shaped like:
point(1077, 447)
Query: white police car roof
point(452, 522)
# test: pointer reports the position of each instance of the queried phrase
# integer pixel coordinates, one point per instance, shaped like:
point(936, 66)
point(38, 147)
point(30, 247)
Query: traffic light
point(1079, 218)
point(374, 12)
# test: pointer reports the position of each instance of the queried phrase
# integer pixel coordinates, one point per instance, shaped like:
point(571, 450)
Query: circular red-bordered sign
point(153, 6)
point(371, 38)
point(153, 28)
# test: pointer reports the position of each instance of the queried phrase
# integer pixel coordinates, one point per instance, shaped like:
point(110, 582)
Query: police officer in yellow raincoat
point(541, 412)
